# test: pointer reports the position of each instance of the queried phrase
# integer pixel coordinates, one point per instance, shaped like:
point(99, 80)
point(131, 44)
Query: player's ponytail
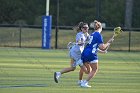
point(78, 27)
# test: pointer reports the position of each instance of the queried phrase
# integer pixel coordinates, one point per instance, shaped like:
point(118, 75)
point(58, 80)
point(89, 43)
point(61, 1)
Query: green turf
point(31, 71)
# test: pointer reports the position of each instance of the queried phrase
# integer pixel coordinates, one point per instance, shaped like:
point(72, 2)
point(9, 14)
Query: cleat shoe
point(85, 84)
point(79, 82)
point(56, 76)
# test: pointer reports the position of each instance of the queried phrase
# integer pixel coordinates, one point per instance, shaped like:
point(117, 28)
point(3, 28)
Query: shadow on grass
point(25, 85)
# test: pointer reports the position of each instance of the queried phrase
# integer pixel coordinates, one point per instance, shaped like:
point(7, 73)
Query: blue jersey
point(90, 52)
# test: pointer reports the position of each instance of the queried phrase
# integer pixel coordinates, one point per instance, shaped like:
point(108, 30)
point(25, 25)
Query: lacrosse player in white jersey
point(76, 50)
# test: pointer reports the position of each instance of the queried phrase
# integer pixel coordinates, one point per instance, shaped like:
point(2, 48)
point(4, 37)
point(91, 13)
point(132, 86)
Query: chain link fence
point(20, 37)
point(31, 37)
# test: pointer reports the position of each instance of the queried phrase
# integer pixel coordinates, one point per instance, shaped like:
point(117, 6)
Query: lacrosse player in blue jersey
point(89, 54)
point(81, 72)
point(76, 50)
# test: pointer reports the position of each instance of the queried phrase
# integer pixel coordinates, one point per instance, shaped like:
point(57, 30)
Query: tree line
point(30, 12)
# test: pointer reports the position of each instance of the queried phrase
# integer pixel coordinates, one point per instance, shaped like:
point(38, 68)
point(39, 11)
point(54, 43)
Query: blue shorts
point(88, 56)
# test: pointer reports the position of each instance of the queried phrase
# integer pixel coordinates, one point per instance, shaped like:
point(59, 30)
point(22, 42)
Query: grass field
point(27, 70)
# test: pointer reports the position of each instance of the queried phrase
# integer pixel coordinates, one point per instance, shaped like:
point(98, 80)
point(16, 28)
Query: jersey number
point(90, 40)
point(94, 46)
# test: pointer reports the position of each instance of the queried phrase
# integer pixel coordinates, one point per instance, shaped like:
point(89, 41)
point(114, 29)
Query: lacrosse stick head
point(117, 31)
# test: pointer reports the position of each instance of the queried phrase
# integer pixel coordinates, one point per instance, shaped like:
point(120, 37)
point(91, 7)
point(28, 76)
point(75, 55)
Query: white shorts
point(76, 56)
point(77, 63)
point(94, 61)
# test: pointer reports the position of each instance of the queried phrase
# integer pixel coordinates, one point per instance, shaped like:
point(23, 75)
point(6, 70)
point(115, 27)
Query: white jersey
point(80, 37)
point(76, 50)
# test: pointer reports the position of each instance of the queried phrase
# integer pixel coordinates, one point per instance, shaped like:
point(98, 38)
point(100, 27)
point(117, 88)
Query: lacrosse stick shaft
point(113, 37)
point(109, 45)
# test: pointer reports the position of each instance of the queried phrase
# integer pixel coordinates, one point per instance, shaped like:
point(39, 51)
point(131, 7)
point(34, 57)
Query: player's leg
point(87, 67)
point(68, 69)
point(94, 69)
point(81, 72)
point(65, 70)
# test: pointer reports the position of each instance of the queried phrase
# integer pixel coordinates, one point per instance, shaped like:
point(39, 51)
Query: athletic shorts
point(88, 56)
point(76, 56)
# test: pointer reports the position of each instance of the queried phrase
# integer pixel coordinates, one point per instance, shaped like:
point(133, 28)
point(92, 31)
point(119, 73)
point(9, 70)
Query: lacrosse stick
point(70, 45)
point(117, 32)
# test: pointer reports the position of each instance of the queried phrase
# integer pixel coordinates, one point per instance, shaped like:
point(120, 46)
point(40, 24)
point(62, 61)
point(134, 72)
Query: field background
point(30, 70)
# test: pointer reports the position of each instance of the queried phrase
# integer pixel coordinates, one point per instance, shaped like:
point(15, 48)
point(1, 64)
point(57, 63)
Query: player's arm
point(102, 51)
point(79, 40)
point(103, 46)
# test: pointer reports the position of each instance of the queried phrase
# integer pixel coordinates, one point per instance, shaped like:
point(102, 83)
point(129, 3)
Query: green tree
point(30, 12)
